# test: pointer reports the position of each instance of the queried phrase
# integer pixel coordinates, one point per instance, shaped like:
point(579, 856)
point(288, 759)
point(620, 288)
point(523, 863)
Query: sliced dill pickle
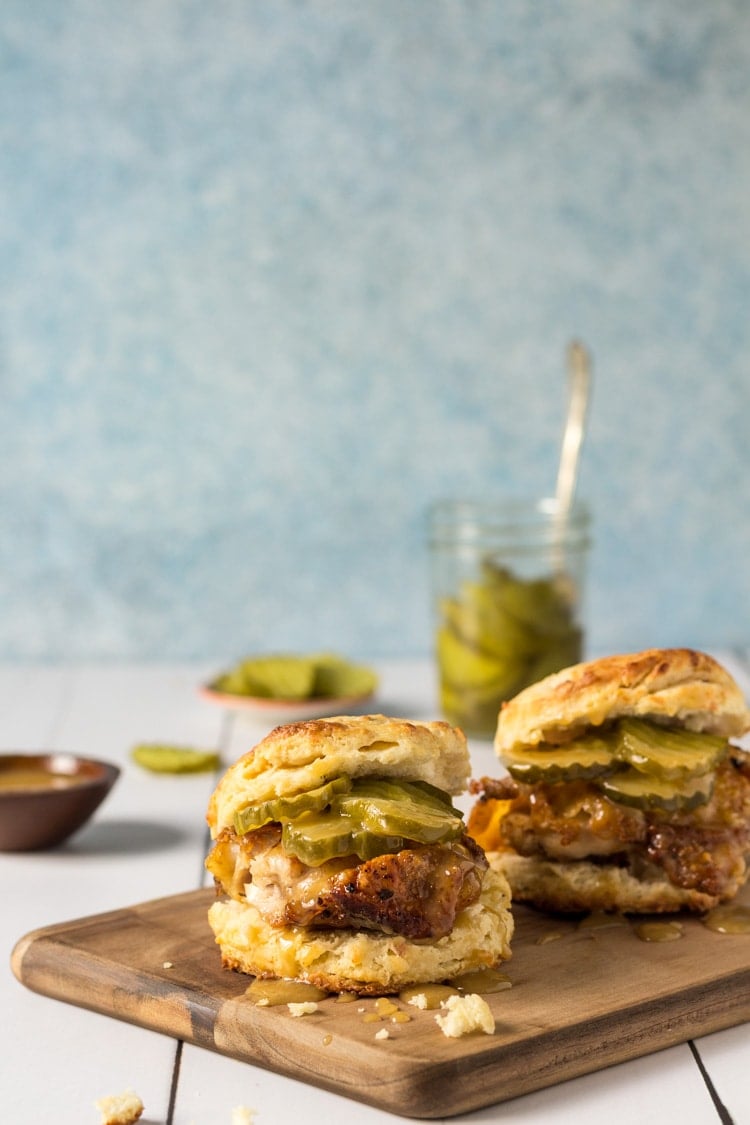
point(555, 651)
point(496, 635)
point(584, 759)
point(542, 604)
point(468, 710)
point(283, 809)
point(393, 789)
point(335, 676)
point(317, 837)
point(439, 796)
point(161, 757)
point(477, 618)
point(272, 677)
point(666, 752)
point(631, 787)
point(464, 665)
point(374, 818)
point(386, 808)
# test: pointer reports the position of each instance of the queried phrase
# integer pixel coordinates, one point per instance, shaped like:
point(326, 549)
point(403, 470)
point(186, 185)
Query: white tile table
point(149, 840)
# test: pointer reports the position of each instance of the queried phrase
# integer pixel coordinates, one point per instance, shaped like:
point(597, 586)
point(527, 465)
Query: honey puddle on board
point(728, 919)
point(272, 992)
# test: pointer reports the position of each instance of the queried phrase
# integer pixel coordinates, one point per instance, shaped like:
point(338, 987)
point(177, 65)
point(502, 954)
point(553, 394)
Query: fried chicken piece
point(705, 848)
point(416, 892)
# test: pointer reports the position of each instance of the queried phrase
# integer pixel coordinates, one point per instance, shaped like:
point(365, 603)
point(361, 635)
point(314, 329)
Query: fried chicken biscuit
point(624, 792)
point(341, 861)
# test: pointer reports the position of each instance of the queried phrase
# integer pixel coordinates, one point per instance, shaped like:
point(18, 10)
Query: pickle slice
point(543, 605)
point(317, 837)
point(497, 635)
point(477, 618)
point(631, 787)
point(668, 753)
point(469, 710)
point(271, 677)
point(584, 759)
point(555, 651)
point(160, 757)
point(397, 809)
point(321, 675)
point(335, 676)
point(466, 666)
point(374, 817)
point(287, 808)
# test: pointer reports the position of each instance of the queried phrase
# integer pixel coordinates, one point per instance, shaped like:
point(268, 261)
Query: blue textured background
point(274, 276)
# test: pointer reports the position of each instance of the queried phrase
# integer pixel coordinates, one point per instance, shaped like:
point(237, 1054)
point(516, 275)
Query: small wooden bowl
point(45, 798)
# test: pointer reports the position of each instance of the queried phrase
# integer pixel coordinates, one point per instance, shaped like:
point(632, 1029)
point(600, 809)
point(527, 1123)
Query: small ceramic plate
point(286, 710)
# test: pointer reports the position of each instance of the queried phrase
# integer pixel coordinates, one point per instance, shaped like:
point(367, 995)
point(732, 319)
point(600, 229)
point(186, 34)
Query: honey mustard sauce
point(270, 993)
point(658, 931)
point(482, 981)
point(27, 777)
point(601, 920)
point(429, 997)
point(728, 919)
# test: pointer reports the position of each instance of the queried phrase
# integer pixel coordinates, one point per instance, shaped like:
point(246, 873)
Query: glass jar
point(508, 583)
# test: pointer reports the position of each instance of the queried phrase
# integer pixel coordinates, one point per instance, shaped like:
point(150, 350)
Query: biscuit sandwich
point(340, 860)
point(624, 790)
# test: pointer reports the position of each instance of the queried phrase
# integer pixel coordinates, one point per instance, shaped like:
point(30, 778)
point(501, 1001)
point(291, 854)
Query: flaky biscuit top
point(302, 756)
point(676, 685)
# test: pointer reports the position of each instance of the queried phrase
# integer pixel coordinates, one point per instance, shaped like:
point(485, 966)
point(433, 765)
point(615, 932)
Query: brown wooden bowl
point(45, 798)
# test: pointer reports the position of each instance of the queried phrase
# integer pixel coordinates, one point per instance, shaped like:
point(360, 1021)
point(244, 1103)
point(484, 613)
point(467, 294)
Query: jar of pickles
point(508, 580)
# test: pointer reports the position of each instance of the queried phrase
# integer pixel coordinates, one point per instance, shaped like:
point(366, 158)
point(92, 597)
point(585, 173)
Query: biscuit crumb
point(168, 965)
point(120, 1109)
point(384, 1033)
point(464, 1014)
point(242, 1115)
point(418, 1001)
point(306, 1008)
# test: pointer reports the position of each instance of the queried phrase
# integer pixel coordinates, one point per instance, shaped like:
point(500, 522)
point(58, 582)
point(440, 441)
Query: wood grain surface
point(582, 999)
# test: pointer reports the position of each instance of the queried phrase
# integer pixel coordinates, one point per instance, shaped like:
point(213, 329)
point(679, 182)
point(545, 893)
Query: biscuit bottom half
point(580, 886)
point(366, 962)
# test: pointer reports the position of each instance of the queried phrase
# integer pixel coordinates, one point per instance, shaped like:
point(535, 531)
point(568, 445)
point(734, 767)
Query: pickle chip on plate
point(289, 686)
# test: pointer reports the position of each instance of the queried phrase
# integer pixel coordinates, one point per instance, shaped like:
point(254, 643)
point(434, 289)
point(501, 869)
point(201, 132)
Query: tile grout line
point(724, 1115)
point(179, 1043)
point(224, 741)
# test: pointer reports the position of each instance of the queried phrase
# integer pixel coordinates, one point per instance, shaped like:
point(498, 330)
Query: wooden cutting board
point(582, 999)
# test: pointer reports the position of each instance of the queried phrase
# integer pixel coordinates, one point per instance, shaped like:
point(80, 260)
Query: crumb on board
point(418, 1001)
point(167, 965)
point(463, 1014)
point(120, 1109)
point(306, 1008)
point(384, 1033)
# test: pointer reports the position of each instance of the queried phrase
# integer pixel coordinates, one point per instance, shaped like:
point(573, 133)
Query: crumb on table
point(120, 1109)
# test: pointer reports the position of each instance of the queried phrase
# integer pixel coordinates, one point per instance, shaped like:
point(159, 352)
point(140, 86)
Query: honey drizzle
point(270, 993)
point(728, 919)
point(658, 931)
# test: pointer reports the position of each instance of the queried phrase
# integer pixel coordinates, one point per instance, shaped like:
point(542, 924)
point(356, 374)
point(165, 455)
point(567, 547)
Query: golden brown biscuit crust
point(366, 962)
point(301, 756)
point(580, 886)
point(677, 685)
